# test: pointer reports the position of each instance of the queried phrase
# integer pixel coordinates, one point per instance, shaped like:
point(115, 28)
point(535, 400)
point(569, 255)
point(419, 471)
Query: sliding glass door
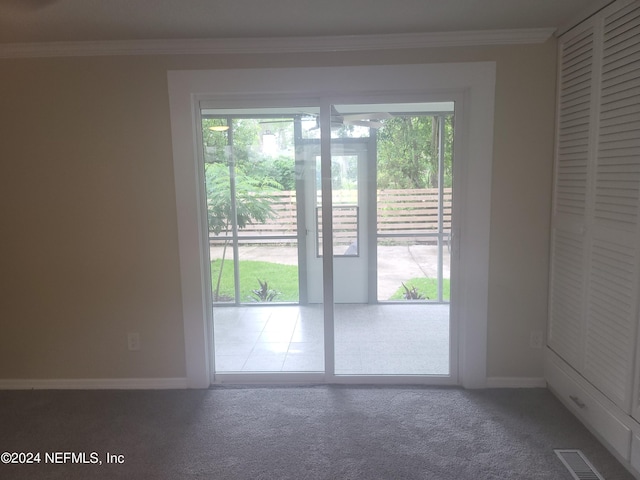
point(250, 183)
point(401, 327)
point(257, 234)
point(351, 197)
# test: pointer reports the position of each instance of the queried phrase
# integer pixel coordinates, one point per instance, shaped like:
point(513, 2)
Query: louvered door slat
point(629, 73)
point(580, 43)
point(579, 94)
point(622, 40)
point(621, 45)
point(631, 146)
point(574, 77)
point(622, 61)
point(620, 91)
point(578, 60)
point(577, 99)
point(576, 82)
point(626, 124)
point(625, 91)
point(617, 115)
point(577, 131)
point(620, 106)
point(620, 18)
point(575, 139)
point(620, 57)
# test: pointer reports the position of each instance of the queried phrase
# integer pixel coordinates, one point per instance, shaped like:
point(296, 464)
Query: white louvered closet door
point(612, 306)
point(571, 192)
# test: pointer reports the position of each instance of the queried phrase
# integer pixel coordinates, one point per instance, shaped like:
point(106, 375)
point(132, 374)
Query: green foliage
point(448, 151)
point(407, 149)
point(427, 287)
point(226, 171)
point(284, 279)
point(408, 152)
point(253, 198)
point(281, 169)
point(264, 293)
point(246, 152)
point(412, 293)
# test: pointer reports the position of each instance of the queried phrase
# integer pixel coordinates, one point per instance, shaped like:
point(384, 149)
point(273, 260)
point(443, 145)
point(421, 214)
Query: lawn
point(427, 287)
point(282, 278)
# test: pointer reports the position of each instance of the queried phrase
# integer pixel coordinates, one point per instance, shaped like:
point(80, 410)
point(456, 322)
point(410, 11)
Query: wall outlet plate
point(536, 339)
point(133, 341)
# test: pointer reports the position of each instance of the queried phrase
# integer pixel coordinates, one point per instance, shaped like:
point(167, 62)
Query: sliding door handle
point(577, 401)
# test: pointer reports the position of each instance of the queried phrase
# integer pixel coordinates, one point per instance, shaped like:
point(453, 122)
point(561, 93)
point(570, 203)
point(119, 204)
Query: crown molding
point(223, 46)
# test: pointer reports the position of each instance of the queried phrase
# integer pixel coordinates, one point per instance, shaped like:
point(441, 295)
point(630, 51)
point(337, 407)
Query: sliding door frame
point(471, 86)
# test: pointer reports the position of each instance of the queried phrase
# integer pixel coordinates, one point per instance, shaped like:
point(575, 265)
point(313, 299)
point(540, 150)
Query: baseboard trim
point(94, 384)
point(516, 382)
point(181, 383)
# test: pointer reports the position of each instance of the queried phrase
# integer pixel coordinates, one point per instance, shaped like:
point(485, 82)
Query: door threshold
point(319, 378)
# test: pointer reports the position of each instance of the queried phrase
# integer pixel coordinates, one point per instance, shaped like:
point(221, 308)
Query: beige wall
point(88, 211)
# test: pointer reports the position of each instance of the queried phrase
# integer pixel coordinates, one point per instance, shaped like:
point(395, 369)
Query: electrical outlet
point(133, 340)
point(535, 340)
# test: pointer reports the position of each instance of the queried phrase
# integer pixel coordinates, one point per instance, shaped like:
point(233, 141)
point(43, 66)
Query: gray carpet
point(317, 432)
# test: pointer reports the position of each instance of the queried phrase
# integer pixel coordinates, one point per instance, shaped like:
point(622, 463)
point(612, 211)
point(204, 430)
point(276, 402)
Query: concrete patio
point(391, 339)
point(386, 339)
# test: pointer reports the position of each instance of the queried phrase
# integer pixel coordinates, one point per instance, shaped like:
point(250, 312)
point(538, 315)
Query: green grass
point(427, 287)
point(282, 278)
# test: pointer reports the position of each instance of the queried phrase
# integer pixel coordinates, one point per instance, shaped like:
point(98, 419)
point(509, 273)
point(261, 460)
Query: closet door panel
point(566, 302)
point(612, 298)
point(611, 320)
point(617, 174)
point(565, 334)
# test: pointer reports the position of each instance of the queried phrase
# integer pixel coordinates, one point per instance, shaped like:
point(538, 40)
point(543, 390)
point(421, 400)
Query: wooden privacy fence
point(400, 211)
point(413, 211)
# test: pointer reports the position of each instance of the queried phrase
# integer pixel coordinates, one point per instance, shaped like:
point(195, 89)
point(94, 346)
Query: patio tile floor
point(388, 339)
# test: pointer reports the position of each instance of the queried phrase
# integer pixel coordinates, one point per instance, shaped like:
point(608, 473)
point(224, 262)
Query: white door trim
point(473, 87)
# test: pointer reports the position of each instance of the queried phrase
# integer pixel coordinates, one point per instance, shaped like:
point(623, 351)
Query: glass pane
point(254, 173)
point(345, 221)
point(222, 272)
point(409, 269)
point(268, 272)
point(402, 339)
point(342, 126)
point(408, 162)
point(345, 199)
point(217, 171)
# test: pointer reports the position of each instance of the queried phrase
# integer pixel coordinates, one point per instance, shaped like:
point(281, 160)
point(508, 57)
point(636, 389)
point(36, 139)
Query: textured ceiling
point(78, 20)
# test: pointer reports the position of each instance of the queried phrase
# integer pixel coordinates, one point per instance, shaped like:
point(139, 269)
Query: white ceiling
point(93, 20)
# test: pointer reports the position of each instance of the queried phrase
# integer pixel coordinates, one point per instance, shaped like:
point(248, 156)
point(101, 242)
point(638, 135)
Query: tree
point(253, 199)
point(247, 148)
point(253, 193)
point(408, 148)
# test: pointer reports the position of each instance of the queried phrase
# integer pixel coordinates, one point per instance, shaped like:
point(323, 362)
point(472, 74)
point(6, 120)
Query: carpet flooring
point(301, 432)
